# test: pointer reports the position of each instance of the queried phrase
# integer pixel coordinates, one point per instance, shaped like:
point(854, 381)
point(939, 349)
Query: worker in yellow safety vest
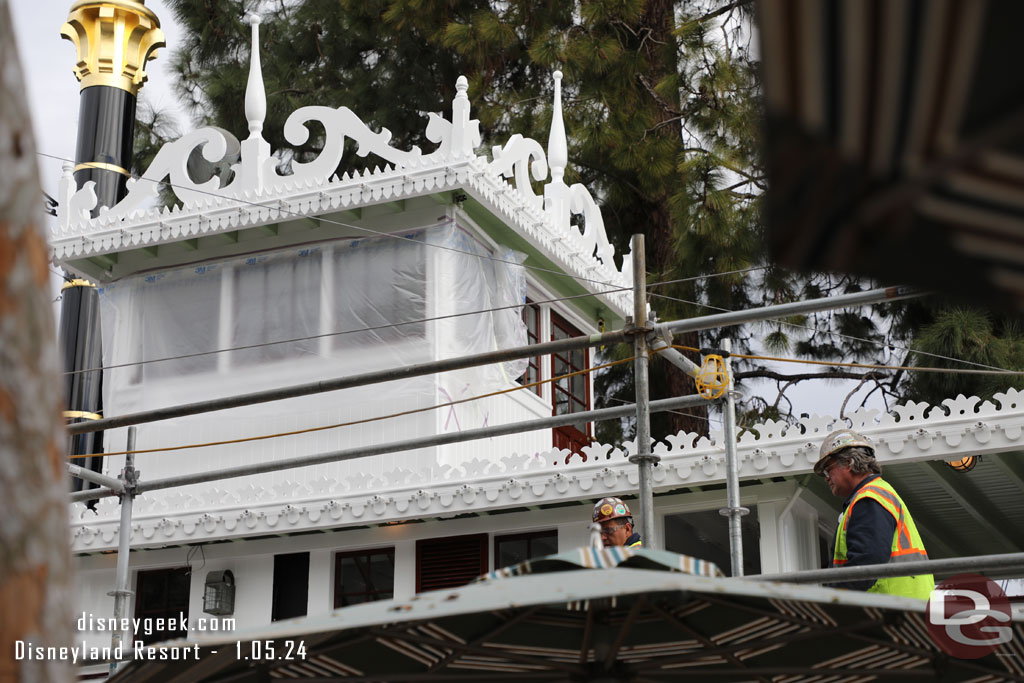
point(875, 526)
point(616, 523)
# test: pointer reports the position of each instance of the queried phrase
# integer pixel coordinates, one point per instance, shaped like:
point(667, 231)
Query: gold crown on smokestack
point(114, 40)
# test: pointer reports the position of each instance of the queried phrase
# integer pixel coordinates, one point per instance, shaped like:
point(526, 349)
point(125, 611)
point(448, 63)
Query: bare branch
point(644, 81)
point(725, 9)
point(828, 374)
point(842, 408)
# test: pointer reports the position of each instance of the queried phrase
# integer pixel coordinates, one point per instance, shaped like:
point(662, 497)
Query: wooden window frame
point(534, 362)
point(277, 585)
point(528, 536)
point(384, 595)
point(569, 433)
point(153, 613)
point(420, 544)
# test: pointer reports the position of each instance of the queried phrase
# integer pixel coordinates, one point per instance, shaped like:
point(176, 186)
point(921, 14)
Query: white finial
point(65, 191)
point(558, 148)
point(465, 133)
point(255, 96)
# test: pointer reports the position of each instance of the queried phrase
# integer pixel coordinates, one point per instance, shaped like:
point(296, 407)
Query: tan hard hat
point(610, 508)
point(837, 441)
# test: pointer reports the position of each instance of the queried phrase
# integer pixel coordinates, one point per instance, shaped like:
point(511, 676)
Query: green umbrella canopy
point(617, 624)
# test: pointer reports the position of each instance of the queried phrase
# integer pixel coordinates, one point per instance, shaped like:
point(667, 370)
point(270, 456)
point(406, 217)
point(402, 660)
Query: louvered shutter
point(450, 562)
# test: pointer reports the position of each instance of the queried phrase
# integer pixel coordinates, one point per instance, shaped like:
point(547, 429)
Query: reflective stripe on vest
point(638, 544)
point(907, 545)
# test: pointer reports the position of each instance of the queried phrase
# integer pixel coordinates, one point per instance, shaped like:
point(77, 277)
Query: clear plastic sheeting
point(301, 314)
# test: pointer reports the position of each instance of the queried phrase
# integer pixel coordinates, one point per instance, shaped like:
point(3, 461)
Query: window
point(364, 576)
point(276, 297)
point(450, 562)
point(291, 586)
point(569, 394)
point(516, 548)
point(379, 281)
point(531, 317)
point(705, 534)
point(162, 594)
point(259, 300)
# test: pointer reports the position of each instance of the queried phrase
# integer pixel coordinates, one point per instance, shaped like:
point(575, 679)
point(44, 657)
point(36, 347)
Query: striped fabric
point(894, 140)
point(607, 558)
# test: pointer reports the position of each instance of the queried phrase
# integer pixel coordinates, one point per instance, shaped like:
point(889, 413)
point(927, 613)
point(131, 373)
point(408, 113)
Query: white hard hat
point(837, 441)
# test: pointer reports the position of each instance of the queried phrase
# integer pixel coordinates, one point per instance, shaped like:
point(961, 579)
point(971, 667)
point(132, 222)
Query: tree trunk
point(662, 51)
point(35, 565)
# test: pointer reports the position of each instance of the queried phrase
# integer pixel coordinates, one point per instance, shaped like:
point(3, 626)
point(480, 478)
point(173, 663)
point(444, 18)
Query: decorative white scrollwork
point(339, 124)
point(241, 183)
point(520, 158)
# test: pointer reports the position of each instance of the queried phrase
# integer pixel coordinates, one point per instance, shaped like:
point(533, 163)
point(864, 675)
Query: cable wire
point(327, 334)
point(383, 326)
point(840, 336)
point(371, 231)
point(351, 423)
point(866, 366)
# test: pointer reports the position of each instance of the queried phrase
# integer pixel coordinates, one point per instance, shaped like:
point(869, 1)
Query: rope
point(865, 366)
point(356, 422)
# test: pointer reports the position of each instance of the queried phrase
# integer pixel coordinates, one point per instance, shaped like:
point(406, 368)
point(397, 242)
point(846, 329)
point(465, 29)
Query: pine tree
point(982, 339)
point(662, 108)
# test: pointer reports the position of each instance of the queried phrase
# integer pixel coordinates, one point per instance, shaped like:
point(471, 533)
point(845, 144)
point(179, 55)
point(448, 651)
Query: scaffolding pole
point(1013, 562)
point(734, 511)
point(396, 446)
point(560, 346)
point(643, 458)
point(121, 592)
point(103, 480)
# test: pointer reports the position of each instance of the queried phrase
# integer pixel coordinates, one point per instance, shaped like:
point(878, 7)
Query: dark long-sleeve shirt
point(869, 533)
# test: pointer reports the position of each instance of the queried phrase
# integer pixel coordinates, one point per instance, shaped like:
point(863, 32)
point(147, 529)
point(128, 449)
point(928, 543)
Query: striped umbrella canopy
point(606, 558)
point(894, 141)
point(599, 625)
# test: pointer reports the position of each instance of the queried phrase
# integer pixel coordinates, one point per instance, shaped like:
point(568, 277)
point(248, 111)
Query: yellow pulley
point(712, 380)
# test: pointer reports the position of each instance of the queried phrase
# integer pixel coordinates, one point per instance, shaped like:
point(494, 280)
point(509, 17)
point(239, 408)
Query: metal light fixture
point(219, 595)
point(965, 464)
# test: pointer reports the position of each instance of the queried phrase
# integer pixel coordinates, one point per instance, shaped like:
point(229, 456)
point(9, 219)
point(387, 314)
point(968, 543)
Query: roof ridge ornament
point(255, 92)
point(256, 164)
point(558, 148)
point(561, 201)
point(565, 220)
point(459, 138)
point(556, 193)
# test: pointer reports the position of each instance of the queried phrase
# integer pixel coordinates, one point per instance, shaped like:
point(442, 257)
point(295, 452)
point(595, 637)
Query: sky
point(53, 92)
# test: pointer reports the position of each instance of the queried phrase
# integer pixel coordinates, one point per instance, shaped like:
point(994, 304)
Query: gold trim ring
point(72, 414)
point(76, 283)
point(101, 166)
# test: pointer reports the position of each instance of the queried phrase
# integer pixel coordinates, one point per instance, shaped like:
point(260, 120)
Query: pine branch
point(644, 81)
point(717, 13)
point(755, 179)
point(827, 374)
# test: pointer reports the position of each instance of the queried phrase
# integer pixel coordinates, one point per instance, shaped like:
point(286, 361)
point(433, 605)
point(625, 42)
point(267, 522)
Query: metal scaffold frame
point(645, 335)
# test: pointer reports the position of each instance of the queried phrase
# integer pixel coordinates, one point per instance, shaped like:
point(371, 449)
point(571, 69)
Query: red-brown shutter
point(450, 562)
